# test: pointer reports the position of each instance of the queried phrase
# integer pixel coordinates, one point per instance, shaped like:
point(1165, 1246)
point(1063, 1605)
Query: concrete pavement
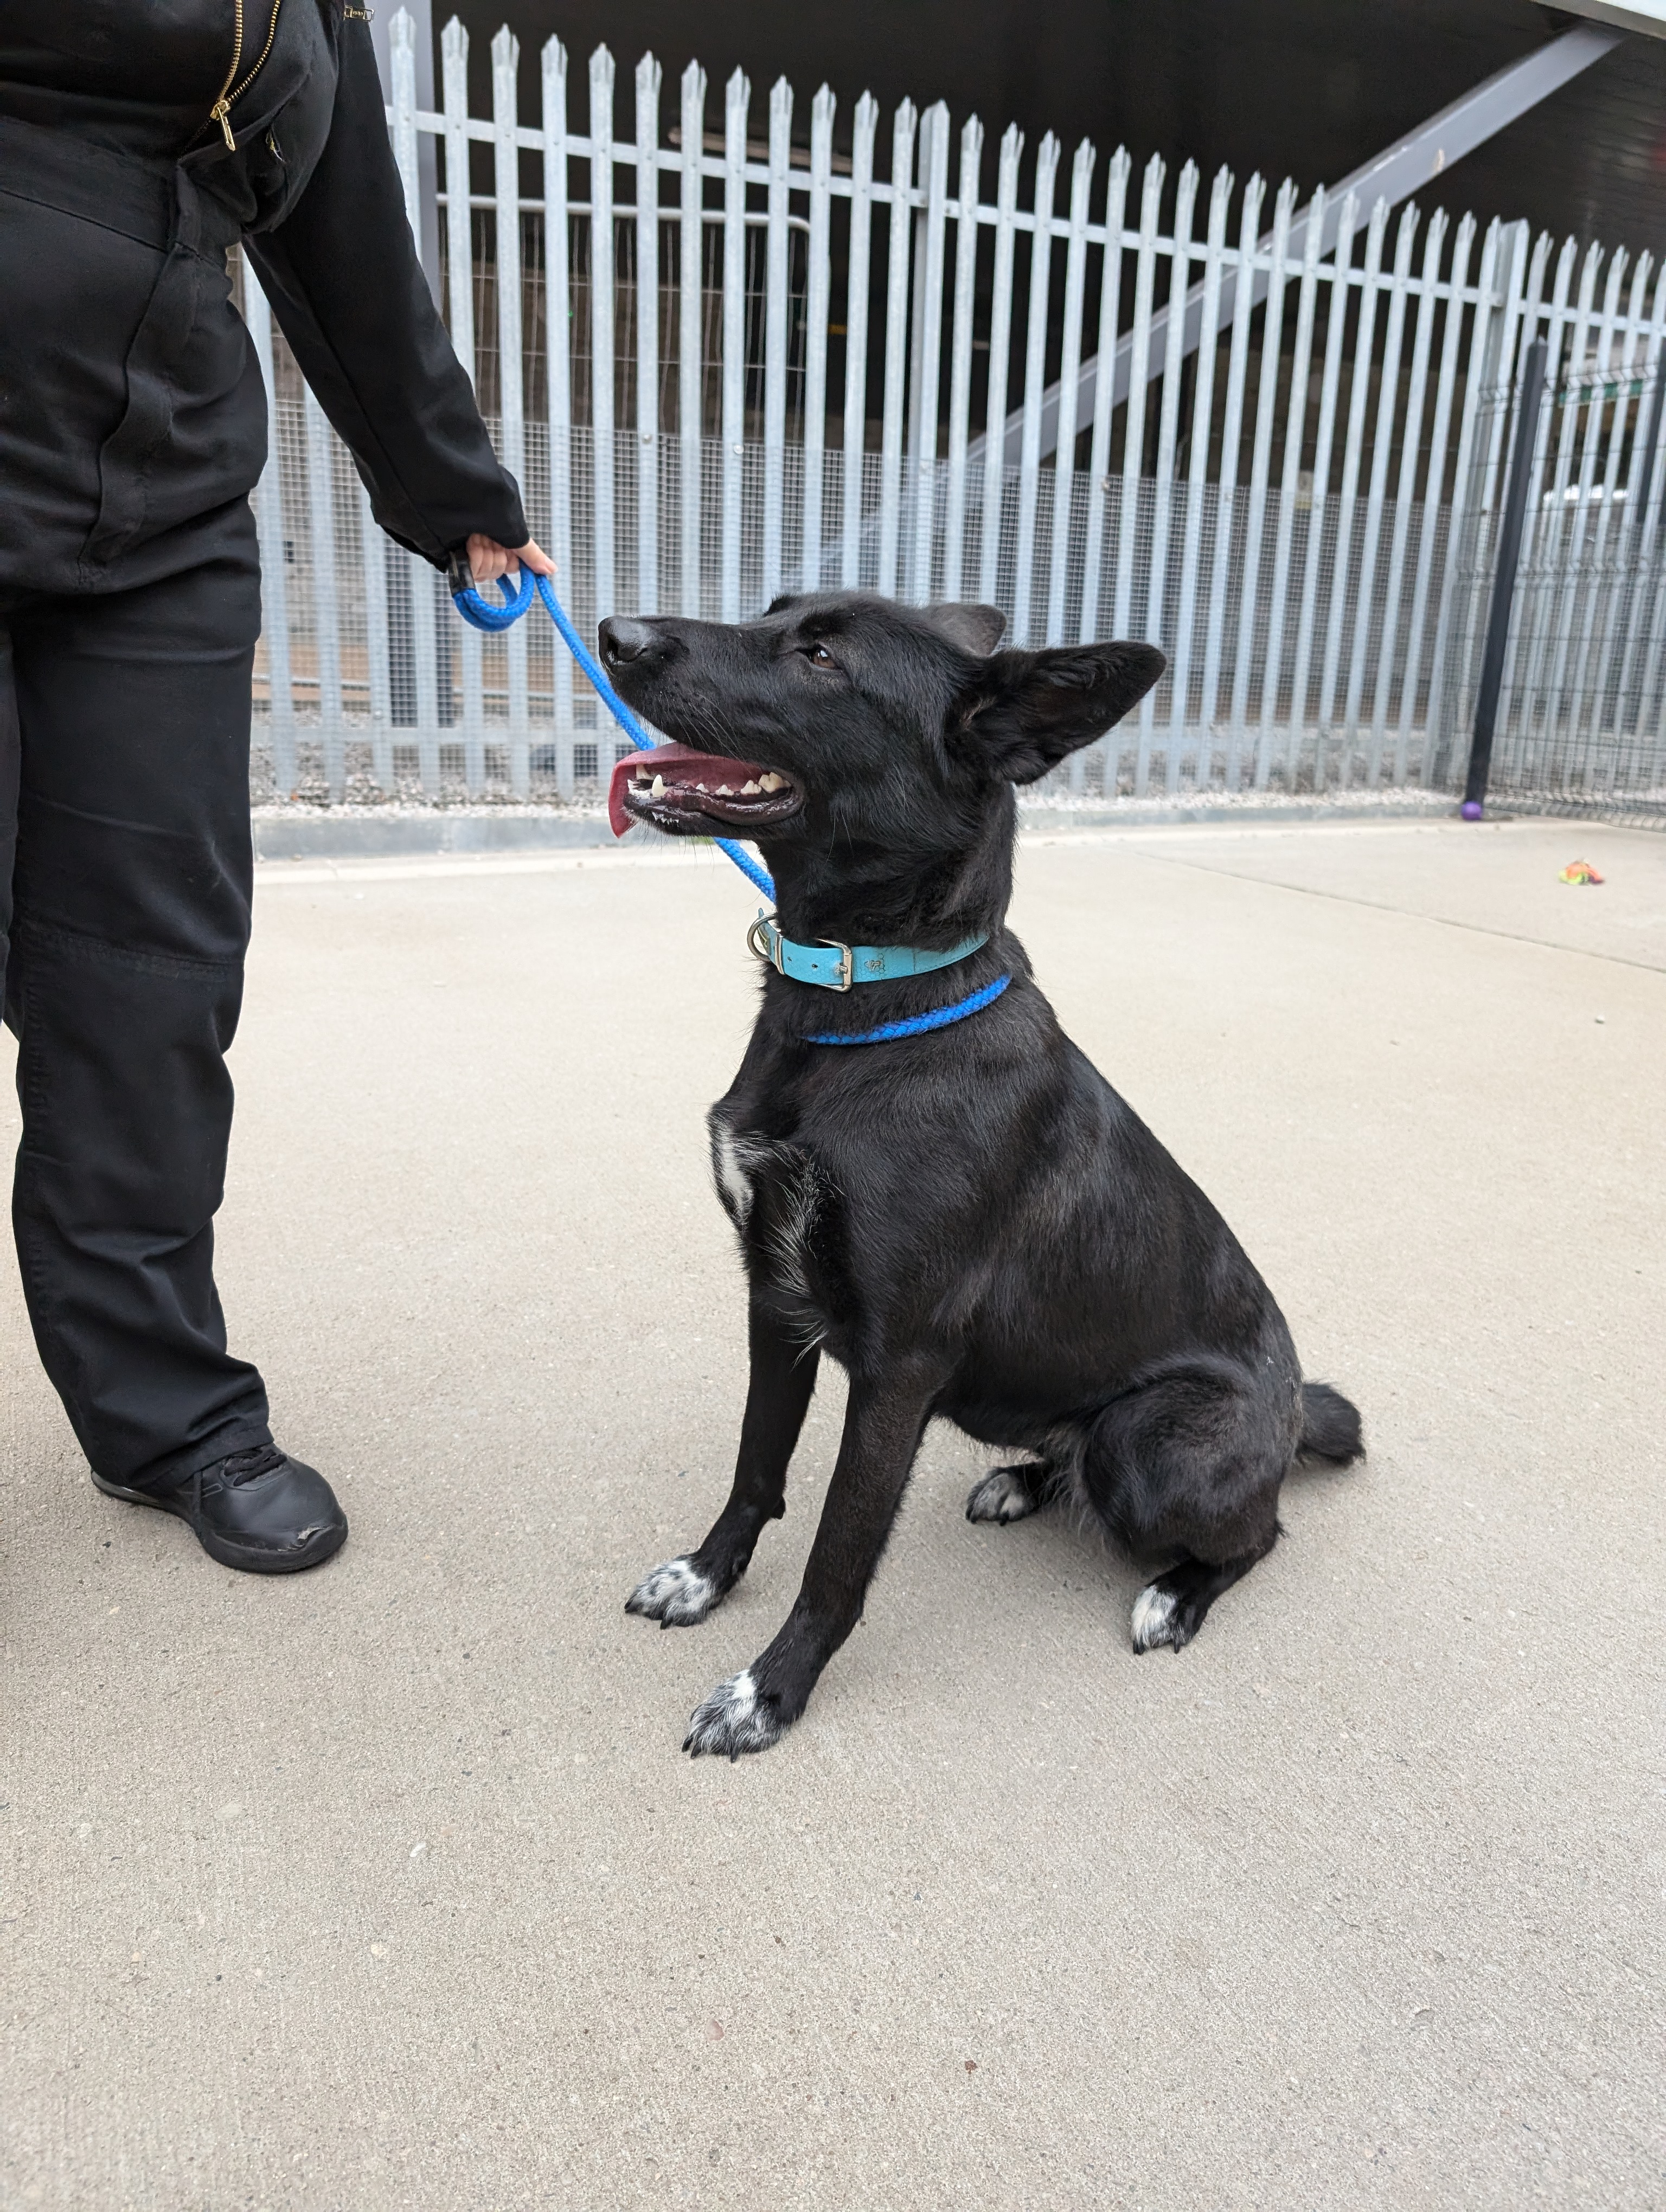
point(388, 1886)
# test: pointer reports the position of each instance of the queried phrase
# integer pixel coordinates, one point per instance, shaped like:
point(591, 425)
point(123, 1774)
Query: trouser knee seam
point(181, 966)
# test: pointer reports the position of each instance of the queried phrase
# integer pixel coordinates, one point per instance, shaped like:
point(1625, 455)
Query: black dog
point(968, 1219)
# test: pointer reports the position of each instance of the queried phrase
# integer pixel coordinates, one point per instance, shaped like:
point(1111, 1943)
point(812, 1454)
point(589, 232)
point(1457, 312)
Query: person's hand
point(487, 559)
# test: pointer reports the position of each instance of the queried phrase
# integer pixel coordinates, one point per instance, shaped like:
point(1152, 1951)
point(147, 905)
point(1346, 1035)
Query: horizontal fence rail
point(750, 349)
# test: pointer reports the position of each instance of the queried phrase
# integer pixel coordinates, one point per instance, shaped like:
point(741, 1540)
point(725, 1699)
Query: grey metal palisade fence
point(673, 340)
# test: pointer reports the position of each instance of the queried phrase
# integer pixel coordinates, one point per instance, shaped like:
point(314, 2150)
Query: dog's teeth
point(770, 782)
point(657, 786)
point(723, 791)
point(701, 787)
point(750, 790)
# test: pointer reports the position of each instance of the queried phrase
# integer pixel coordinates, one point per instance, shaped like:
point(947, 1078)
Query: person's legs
point(131, 887)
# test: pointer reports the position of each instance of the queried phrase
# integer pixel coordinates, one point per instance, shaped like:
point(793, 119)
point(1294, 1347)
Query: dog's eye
point(819, 657)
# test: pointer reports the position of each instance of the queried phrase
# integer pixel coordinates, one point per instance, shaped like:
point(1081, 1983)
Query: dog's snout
point(623, 639)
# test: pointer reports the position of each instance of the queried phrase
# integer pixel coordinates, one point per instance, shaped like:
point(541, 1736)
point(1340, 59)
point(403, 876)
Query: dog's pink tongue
point(677, 765)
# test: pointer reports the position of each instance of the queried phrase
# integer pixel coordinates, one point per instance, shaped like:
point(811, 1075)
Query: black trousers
point(125, 878)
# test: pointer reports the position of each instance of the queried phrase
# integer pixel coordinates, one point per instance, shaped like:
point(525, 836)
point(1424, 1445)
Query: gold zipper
point(230, 91)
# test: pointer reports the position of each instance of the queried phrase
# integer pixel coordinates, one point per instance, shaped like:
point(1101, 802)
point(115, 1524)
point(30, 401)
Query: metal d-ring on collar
point(832, 965)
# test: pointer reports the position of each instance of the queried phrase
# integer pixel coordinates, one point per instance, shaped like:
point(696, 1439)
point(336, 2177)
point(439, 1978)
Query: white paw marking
point(1154, 1609)
point(677, 1594)
point(1002, 1495)
point(731, 1720)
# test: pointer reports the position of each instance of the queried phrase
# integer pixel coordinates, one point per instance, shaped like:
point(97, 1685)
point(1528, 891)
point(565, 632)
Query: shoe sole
point(246, 1559)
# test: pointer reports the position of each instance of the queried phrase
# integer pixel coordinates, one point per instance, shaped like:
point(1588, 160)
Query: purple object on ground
point(1470, 809)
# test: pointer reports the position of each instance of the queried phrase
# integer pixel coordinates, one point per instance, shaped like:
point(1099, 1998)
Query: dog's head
point(844, 732)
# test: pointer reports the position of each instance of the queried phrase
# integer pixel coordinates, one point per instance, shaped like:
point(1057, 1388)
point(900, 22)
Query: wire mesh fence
point(1111, 408)
point(1582, 707)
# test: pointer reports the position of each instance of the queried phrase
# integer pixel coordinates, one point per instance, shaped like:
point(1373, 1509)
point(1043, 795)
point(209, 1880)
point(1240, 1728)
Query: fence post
point(326, 607)
point(927, 346)
point(1203, 400)
point(411, 630)
point(1439, 446)
point(373, 550)
point(1064, 452)
point(1099, 467)
point(690, 367)
point(1168, 430)
point(1494, 317)
point(1411, 441)
point(960, 369)
point(510, 401)
point(900, 240)
point(1295, 440)
point(1035, 384)
point(647, 336)
point(604, 457)
point(1504, 580)
point(460, 253)
point(775, 336)
point(274, 572)
point(1000, 340)
point(856, 345)
point(737, 99)
point(819, 278)
point(558, 369)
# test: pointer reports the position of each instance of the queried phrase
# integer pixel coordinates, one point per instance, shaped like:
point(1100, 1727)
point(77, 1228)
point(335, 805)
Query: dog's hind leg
point(1170, 1610)
point(1011, 1493)
point(1191, 1463)
point(885, 1416)
point(778, 1394)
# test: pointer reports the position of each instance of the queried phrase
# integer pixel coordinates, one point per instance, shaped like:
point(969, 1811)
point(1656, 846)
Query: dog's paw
point(676, 1595)
point(732, 1719)
point(1009, 1494)
point(1159, 1618)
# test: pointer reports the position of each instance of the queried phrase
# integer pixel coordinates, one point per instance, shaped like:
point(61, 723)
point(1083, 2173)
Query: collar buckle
point(846, 963)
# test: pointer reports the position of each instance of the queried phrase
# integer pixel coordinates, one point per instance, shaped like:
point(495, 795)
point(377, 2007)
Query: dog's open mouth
point(686, 793)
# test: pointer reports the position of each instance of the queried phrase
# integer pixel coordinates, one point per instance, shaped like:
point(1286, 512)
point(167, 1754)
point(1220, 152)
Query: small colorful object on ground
point(1579, 872)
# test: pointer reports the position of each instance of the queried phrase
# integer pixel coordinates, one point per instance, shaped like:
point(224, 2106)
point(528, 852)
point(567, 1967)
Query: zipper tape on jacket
point(230, 91)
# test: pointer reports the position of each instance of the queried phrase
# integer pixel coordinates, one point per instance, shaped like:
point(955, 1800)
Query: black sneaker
point(260, 1510)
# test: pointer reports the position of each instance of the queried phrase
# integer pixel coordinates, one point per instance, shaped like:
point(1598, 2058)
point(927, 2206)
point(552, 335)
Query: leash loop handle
point(481, 615)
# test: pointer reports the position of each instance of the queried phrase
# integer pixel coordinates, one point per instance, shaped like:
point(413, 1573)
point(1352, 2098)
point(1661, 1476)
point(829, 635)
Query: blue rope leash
point(482, 614)
point(917, 1024)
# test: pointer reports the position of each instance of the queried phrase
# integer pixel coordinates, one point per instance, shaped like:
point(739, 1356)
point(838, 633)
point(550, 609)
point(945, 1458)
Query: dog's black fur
point(971, 1222)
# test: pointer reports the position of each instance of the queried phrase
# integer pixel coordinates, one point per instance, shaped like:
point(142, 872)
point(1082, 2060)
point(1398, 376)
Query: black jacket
point(131, 405)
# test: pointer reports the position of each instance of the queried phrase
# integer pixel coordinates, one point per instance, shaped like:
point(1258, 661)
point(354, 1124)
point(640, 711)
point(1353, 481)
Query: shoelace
point(246, 1465)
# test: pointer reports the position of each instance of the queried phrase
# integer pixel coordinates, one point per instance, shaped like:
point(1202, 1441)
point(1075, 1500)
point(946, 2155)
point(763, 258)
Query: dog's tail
point(1330, 1426)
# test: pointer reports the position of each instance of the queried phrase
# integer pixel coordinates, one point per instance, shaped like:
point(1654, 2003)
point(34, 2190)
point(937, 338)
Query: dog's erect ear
point(974, 629)
point(1024, 712)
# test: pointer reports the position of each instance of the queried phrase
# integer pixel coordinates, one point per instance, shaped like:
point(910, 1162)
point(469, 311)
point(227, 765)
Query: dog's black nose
point(623, 638)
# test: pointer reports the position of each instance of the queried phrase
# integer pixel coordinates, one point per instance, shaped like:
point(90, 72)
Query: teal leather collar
point(835, 966)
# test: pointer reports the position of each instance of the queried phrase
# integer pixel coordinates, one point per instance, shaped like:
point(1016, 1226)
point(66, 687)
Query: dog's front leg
point(884, 1420)
point(778, 1394)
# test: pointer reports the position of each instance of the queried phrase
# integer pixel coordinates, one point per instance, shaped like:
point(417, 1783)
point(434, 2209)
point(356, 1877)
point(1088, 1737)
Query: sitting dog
point(929, 1182)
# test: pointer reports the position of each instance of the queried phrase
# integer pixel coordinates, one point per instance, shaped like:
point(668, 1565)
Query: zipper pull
point(220, 113)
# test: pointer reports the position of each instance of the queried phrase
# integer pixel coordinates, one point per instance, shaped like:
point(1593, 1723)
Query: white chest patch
point(734, 1183)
